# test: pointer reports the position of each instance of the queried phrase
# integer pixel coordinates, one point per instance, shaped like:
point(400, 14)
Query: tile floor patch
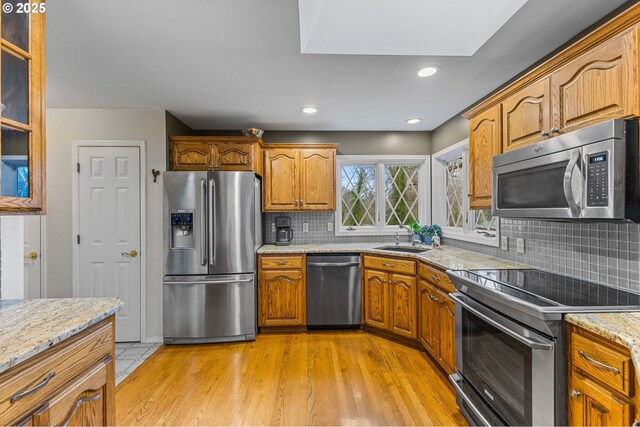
point(130, 355)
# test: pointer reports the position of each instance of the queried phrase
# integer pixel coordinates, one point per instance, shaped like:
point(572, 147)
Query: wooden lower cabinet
point(437, 323)
point(72, 383)
point(602, 382)
point(376, 299)
point(282, 297)
point(402, 305)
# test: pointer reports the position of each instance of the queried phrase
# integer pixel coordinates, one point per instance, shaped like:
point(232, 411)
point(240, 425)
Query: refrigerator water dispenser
point(182, 230)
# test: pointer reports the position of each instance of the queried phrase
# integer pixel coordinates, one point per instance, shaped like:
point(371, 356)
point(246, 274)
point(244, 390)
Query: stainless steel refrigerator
point(212, 229)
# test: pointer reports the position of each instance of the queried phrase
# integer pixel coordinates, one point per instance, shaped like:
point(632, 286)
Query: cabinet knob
point(574, 393)
point(544, 133)
point(554, 130)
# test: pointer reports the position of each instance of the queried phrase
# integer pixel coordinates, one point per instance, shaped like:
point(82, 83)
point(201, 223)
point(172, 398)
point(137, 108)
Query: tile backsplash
point(318, 232)
point(602, 252)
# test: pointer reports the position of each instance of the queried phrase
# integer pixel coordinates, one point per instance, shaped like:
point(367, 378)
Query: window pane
point(15, 88)
point(15, 26)
point(401, 194)
point(454, 192)
point(358, 196)
point(14, 173)
point(484, 220)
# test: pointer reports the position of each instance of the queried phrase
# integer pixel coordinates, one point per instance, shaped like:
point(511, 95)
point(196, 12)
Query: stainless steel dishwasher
point(333, 290)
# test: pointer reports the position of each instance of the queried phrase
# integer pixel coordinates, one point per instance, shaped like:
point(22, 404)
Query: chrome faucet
point(414, 242)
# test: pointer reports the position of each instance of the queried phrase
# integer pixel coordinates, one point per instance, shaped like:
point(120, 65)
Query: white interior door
point(32, 257)
point(109, 230)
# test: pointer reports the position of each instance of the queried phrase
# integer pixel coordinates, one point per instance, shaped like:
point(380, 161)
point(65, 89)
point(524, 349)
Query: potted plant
point(429, 231)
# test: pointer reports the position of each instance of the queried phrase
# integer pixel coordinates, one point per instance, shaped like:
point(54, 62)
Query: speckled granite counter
point(446, 257)
point(622, 328)
point(28, 327)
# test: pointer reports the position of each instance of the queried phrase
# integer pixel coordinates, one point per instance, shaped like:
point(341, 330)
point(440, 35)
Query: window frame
point(380, 229)
point(439, 199)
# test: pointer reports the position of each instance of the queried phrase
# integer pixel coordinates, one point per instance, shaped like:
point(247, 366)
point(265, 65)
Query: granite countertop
point(622, 328)
point(446, 257)
point(28, 327)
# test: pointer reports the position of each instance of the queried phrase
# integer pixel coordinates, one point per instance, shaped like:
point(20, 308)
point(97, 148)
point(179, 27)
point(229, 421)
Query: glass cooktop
point(546, 289)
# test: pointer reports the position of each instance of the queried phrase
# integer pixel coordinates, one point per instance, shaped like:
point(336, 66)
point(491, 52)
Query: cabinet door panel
point(600, 84)
point(525, 115)
point(318, 180)
point(403, 305)
point(447, 336)
point(484, 143)
point(592, 405)
point(282, 298)
point(232, 157)
point(428, 312)
point(191, 156)
point(376, 299)
point(280, 183)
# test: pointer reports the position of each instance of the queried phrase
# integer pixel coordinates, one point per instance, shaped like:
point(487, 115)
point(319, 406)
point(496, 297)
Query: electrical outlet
point(305, 227)
point(273, 227)
point(520, 246)
point(329, 226)
point(505, 243)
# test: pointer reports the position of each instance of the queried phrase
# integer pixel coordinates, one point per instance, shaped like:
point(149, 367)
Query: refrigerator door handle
point(203, 228)
point(212, 223)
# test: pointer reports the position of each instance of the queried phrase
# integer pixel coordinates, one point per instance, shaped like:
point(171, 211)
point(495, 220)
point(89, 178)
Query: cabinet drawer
point(281, 262)
point(602, 362)
point(390, 264)
point(436, 277)
point(50, 370)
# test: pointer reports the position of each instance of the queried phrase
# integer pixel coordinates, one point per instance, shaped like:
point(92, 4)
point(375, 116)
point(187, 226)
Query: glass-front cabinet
point(22, 90)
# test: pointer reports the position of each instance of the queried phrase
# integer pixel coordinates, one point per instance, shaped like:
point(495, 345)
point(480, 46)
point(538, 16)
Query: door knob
point(32, 255)
point(131, 254)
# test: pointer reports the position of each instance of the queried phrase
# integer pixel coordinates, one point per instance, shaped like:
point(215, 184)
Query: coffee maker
point(284, 233)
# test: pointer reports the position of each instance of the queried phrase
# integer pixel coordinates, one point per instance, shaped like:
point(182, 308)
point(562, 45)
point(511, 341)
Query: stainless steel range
point(510, 340)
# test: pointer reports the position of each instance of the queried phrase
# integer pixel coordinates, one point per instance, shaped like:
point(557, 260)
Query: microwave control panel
point(598, 180)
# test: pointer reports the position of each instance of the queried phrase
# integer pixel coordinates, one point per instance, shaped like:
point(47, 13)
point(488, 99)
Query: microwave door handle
point(203, 222)
point(212, 223)
point(568, 191)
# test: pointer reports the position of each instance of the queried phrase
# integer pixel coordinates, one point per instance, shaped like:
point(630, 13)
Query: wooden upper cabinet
point(191, 156)
point(484, 143)
point(218, 153)
point(526, 116)
point(299, 179)
point(282, 298)
point(281, 178)
point(598, 85)
point(22, 116)
point(318, 179)
point(376, 299)
point(402, 305)
point(229, 156)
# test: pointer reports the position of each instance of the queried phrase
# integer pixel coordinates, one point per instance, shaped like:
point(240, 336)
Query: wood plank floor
point(320, 378)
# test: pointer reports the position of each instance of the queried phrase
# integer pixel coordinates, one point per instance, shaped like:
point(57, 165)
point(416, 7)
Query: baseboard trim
point(152, 340)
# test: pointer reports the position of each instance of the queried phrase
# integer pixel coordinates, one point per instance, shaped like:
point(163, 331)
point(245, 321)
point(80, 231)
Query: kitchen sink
point(407, 249)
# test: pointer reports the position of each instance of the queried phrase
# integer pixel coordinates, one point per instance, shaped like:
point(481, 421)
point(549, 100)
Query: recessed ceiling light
point(413, 121)
point(427, 71)
point(309, 110)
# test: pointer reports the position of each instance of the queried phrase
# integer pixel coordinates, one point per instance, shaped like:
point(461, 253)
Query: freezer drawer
point(204, 309)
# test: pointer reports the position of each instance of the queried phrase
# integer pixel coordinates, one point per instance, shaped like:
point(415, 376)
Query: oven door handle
point(566, 183)
point(536, 345)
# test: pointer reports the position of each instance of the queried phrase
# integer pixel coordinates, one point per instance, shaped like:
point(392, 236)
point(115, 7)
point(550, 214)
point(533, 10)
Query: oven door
point(548, 186)
point(509, 367)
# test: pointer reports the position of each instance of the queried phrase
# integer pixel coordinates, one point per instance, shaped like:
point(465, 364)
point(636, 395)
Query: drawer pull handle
point(434, 277)
point(79, 403)
point(574, 393)
point(281, 262)
point(586, 357)
point(388, 264)
point(433, 298)
point(22, 394)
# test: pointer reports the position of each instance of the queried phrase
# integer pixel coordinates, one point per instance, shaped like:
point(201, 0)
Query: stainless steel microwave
point(589, 174)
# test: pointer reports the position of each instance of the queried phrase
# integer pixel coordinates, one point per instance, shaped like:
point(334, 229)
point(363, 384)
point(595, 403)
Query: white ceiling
point(228, 64)
point(400, 27)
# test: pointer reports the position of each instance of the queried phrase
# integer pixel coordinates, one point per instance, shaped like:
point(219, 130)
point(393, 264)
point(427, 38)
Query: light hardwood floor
point(320, 378)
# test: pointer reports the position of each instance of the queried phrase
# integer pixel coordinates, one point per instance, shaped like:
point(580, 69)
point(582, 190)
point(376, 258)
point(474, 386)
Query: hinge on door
point(78, 167)
point(78, 239)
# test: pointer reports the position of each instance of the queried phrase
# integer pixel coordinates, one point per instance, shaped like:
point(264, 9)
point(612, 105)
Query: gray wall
point(453, 130)
point(174, 126)
point(350, 142)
